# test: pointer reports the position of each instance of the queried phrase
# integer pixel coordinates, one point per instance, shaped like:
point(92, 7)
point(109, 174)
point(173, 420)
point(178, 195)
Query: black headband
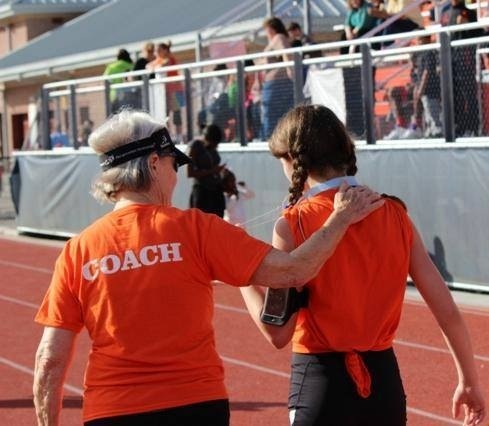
point(160, 141)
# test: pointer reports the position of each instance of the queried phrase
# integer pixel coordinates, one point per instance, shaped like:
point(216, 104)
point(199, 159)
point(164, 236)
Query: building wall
point(17, 100)
point(36, 26)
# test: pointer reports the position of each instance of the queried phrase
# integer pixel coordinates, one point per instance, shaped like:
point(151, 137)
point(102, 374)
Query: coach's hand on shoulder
point(472, 401)
point(355, 203)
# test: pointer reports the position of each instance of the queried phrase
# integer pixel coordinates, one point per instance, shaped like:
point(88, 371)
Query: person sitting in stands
point(410, 20)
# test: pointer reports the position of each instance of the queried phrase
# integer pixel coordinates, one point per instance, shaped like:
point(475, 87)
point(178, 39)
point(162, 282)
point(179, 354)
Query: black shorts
point(209, 413)
point(323, 393)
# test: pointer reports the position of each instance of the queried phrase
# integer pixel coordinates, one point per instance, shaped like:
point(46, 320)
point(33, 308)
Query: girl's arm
point(254, 296)
point(438, 298)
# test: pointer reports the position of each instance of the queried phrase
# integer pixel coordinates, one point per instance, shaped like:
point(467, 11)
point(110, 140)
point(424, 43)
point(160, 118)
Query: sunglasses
point(174, 156)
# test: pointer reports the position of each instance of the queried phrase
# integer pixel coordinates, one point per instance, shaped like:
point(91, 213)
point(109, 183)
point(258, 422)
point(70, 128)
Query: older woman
point(139, 280)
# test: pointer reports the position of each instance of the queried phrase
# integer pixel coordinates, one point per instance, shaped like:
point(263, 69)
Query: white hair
point(120, 129)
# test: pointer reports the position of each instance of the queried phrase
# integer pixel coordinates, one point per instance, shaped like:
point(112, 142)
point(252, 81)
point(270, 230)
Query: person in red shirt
point(173, 89)
point(344, 370)
point(139, 279)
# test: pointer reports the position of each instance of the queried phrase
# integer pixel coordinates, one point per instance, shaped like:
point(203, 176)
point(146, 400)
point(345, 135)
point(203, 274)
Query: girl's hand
point(472, 401)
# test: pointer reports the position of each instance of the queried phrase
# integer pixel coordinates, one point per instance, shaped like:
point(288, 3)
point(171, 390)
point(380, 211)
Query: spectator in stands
point(139, 280)
point(255, 106)
point(85, 132)
point(148, 55)
point(217, 110)
point(400, 109)
point(414, 130)
point(464, 71)
point(173, 90)
point(410, 19)
point(359, 20)
point(278, 90)
point(232, 92)
point(58, 138)
point(205, 168)
point(428, 89)
point(297, 37)
point(119, 97)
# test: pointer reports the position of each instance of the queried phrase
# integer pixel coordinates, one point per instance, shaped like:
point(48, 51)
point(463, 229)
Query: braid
point(299, 177)
point(300, 155)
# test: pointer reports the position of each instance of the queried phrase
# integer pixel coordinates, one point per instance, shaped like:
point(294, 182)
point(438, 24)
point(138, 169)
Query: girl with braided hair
point(344, 370)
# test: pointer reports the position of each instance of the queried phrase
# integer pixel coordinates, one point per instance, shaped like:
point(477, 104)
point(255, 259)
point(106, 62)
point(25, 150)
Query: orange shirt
point(139, 280)
point(158, 62)
point(356, 299)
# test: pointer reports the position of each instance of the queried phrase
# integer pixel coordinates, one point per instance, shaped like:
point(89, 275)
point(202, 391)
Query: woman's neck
point(315, 179)
point(127, 198)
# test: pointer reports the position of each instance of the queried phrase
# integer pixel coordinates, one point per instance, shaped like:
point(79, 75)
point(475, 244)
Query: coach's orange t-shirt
point(356, 299)
point(139, 280)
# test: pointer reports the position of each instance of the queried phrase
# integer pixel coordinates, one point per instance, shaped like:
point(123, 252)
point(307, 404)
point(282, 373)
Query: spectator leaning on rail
point(427, 90)
point(278, 90)
point(174, 89)
point(118, 97)
point(148, 55)
point(464, 70)
point(139, 279)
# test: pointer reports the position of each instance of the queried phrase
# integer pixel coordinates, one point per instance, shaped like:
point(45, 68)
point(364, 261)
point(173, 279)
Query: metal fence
point(423, 84)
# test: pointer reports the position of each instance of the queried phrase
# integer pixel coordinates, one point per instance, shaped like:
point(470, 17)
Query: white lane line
point(434, 349)
point(469, 310)
point(27, 370)
point(462, 308)
point(230, 308)
point(27, 267)
point(244, 311)
point(396, 341)
point(287, 376)
point(238, 362)
point(18, 301)
point(433, 416)
point(255, 367)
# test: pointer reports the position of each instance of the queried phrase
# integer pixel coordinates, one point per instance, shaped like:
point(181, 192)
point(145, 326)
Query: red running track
point(256, 374)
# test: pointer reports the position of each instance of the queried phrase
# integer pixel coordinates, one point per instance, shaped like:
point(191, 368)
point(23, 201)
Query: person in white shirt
point(235, 193)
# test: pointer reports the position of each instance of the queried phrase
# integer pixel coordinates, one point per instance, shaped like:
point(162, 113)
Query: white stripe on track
point(238, 362)
point(18, 301)
point(433, 416)
point(433, 349)
point(244, 311)
point(396, 341)
point(462, 308)
point(256, 367)
point(24, 266)
point(27, 370)
point(230, 308)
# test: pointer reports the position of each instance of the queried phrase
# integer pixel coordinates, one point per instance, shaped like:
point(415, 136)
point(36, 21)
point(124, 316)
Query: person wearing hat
point(139, 279)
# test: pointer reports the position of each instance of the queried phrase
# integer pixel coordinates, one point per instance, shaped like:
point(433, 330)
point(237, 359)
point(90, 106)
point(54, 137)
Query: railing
point(75, 106)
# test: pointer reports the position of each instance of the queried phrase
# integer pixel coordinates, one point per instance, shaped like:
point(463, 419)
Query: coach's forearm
point(53, 357)
point(296, 268)
point(48, 390)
